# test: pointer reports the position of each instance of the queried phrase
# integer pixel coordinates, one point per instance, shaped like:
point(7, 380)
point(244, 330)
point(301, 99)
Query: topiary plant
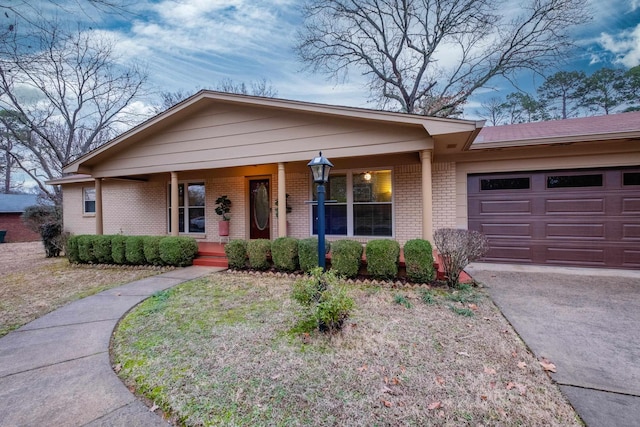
point(284, 253)
point(102, 249)
point(308, 253)
point(382, 258)
point(178, 251)
point(418, 259)
point(346, 257)
point(134, 250)
point(236, 252)
point(151, 249)
point(118, 249)
point(258, 251)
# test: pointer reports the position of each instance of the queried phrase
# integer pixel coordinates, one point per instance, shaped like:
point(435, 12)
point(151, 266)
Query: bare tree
point(68, 91)
point(494, 111)
point(406, 47)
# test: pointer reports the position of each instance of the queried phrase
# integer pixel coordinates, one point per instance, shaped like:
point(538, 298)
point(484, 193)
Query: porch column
point(282, 201)
point(427, 197)
point(99, 222)
point(175, 210)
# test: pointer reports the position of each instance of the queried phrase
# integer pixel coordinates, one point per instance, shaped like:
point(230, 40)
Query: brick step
point(211, 261)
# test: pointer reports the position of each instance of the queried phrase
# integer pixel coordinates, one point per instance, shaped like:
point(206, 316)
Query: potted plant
point(223, 207)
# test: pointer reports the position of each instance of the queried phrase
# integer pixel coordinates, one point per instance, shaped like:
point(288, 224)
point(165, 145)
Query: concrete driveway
point(585, 321)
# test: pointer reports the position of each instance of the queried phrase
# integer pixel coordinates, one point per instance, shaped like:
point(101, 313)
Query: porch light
point(320, 167)
point(367, 176)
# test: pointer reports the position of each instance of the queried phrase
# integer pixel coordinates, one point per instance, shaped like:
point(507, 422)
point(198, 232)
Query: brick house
point(12, 207)
point(534, 190)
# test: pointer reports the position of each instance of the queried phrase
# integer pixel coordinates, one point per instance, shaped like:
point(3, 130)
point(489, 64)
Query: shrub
point(47, 221)
point(118, 249)
point(50, 234)
point(327, 302)
point(457, 249)
point(418, 259)
point(134, 250)
point(236, 252)
point(382, 258)
point(178, 251)
point(258, 251)
point(151, 249)
point(71, 250)
point(346, 257)
point(308, 253)
point(85, 249)
point(284, 253)
point(102, 249)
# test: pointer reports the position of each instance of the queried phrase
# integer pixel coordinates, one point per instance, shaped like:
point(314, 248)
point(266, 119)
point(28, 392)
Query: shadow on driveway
point(585, 321)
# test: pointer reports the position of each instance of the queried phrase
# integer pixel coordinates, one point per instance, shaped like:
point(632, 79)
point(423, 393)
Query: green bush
point(418, 259)
point(236, 252)
point(178, 251)
point(72, 250)
point(47, 221)
point(258, 251)
point(85, 249)
point(102, 249)
point(327, 302)
point(134, 250)
point(382, 258)
point(346, 257)
point(284, 253)
point(50, 233)
point(151, 249)
point(308, 253)
point(118, 249)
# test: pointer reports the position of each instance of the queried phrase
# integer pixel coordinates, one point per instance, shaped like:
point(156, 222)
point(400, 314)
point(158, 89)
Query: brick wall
point(16, 230)
point(444, 195)
point(75, 221)
point(408, 202)
point(134, 208)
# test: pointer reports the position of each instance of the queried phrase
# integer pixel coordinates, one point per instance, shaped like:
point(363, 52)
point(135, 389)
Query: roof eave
point(572, 139)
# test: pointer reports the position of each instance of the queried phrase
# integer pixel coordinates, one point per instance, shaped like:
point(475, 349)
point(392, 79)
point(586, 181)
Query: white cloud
point(625, 46)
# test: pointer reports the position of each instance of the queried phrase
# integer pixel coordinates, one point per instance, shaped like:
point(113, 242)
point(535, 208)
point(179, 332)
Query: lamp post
point(320, 167)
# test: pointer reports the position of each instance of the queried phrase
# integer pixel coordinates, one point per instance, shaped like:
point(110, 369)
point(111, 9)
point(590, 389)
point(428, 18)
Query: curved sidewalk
point(56, 370)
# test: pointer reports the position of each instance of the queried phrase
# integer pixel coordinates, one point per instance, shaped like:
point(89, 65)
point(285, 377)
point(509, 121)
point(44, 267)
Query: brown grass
point(32, 285)
point(224, 351)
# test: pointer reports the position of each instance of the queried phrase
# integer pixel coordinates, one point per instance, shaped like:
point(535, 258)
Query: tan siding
point(135, 208)
point(75, 222)
point(444, 195)
point(408, 202)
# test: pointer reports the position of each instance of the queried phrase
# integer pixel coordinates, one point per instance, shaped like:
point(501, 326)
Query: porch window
point(363, 204)
point(191, 202)
point(89, 200)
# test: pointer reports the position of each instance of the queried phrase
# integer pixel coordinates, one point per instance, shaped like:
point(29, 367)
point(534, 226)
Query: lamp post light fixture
point(320, 167)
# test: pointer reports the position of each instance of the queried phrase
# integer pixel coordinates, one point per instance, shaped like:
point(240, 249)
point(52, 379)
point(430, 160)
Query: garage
point(584, 217)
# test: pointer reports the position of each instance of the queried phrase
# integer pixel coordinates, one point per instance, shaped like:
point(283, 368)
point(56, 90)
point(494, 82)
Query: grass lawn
point(226, 350)
point(32, 285)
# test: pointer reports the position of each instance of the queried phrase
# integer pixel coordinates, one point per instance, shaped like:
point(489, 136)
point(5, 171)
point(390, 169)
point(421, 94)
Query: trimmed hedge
point(418, 259)
point(85, 249)
point(308, 253)
point(151, 248)
point(134, 250)
point(118, 249)
point(258, 252)
point(284, 253)
point(236, 252)
point(73, 254)
point(178, 250)
point(382, 258)
point(102, 249)
point(346, 257)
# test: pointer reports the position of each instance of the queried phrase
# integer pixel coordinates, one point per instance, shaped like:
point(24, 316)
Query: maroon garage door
point(574, 218)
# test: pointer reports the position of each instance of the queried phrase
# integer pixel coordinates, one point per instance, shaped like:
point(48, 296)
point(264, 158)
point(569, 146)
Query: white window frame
point(186, 206)
point(350, 204)
point(85, 200)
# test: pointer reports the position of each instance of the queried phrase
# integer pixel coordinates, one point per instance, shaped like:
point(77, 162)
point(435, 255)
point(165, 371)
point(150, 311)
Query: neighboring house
point(11, 208)
point(532, 188)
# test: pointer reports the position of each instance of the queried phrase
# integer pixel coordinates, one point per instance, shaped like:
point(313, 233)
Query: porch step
point(211, 255)
point(208, 261)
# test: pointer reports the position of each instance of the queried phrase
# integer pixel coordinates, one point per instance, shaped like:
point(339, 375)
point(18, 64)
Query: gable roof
point(465, 130)
point(16, 203)
point(597, 128)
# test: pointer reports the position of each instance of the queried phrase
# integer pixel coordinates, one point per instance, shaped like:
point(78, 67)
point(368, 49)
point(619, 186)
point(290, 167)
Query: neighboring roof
point(16, 203)
point(434, 126)
point(597, 128)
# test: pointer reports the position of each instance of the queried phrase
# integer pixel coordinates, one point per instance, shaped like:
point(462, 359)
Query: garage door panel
point(505, 206)
point(576, 206)
point(631, 205)
point(506, 230)
point(631, 258)
point(575, 256)
point(575, 231)
point(631, 232)
point(506, 253)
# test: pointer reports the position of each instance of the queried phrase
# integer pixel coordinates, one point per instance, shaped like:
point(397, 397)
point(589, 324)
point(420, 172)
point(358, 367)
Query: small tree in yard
point(458, 248)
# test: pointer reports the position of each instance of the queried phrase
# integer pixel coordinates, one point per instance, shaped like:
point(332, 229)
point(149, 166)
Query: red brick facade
point(16, 230)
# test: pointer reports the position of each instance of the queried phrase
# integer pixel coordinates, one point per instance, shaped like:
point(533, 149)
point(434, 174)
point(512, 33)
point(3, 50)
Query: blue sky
point(189, 44)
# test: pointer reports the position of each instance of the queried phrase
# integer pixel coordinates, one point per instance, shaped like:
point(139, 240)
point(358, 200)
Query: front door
point(259, 209)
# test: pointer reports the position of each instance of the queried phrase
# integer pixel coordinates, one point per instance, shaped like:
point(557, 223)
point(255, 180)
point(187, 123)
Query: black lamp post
point(320, 167)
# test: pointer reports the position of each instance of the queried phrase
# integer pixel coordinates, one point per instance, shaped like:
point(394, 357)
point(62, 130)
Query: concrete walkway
point(55, 371)
point(585, 321)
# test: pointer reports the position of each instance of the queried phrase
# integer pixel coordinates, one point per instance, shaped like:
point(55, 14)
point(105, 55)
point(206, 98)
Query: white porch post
point(282, 201)
point(99, 221)
point(175, 210)
point(427, 195)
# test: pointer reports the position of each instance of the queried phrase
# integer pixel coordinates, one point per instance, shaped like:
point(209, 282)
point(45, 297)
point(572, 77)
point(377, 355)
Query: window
point(505, 184)
point(89, 199)
point(190, 207)
point(573, 181)
point(631, 178)
point(363, 204)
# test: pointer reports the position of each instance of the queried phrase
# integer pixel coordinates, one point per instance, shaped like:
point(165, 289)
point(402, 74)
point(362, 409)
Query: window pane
point(374, 186)
point(564, 181)
point(372, 220)
point(89, 207)
point(89, 200)
point(180, 195)
point(196, 220)
point(336, 189)
point(335, 219)
point(196, 194)
point(505, 184)
point(631, 178)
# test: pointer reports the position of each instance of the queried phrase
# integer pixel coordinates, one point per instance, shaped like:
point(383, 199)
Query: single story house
point(12, 207)
point(562, 193)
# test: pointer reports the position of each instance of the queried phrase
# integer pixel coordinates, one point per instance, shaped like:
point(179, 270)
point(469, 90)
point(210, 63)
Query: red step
point(211, 262)
point(211, 255)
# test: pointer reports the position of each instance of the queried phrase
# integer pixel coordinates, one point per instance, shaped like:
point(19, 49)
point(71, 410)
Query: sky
point(191, 44)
